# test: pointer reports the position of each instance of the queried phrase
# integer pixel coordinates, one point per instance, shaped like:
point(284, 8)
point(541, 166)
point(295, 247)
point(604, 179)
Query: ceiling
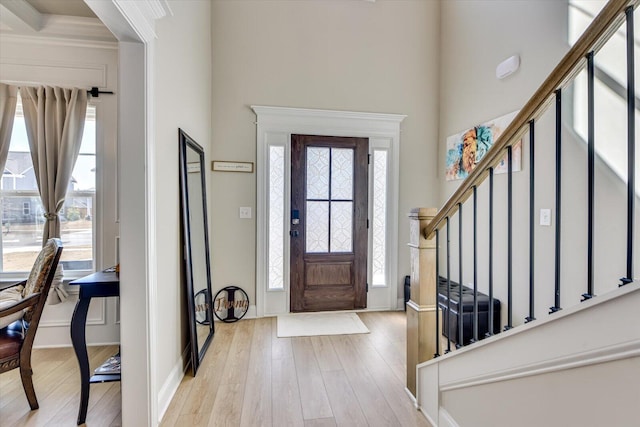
point(63, 7)
point(52, 19)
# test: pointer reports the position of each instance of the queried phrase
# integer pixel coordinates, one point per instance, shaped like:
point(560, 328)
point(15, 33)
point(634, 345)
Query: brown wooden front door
point(328, 223)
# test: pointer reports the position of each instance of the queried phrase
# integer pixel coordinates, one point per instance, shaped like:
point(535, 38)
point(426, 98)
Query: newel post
point(421, 309)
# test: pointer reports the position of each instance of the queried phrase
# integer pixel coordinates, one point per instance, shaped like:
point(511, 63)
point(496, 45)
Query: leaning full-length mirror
point(196, 245)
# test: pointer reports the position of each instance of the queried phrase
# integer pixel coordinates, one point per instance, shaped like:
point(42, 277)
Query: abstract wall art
point(467, 148)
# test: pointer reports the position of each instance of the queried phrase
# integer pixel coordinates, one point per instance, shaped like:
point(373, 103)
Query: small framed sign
point(223, 166)
point(193, 167)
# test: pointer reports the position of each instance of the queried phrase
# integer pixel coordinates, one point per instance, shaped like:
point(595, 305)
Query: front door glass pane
point(317, 173)
point(341, 226)
point(317, 229)
point(341, 174)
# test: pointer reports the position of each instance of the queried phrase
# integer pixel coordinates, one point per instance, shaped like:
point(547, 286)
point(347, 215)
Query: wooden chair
point(16, 339)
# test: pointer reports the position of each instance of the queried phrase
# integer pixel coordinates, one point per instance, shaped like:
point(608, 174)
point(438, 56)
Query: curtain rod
point(96, 93)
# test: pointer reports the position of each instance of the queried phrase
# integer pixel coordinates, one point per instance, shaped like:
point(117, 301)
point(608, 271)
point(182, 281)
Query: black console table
point(101, 284)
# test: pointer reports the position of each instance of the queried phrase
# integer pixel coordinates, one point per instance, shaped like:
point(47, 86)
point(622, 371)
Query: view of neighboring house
point(19, 176)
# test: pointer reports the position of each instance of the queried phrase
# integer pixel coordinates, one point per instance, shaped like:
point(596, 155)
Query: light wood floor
point(56, 379)
point(249, 377)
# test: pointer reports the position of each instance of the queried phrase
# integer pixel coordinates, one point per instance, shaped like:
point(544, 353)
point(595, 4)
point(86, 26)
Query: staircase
point(567, 350)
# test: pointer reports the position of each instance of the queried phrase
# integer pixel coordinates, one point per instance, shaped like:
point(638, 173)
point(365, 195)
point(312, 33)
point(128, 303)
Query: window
point(22, 219)
point(610, 91)
point(379, 216)
point(330, 198)
point(276, 217)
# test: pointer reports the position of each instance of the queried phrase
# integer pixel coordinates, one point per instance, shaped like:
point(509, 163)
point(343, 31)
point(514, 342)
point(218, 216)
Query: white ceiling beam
point(20, 15)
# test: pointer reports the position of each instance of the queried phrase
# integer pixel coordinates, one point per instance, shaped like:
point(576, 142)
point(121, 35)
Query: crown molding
point(270, 113)
point(21, 21)
point(57, 41)
point(73, 27)
point(130, 21)
point(143, 14)
point(159, 8)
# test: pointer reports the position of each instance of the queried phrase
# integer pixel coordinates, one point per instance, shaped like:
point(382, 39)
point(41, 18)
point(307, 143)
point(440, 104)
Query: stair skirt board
point(571, 361)
point(602, 330)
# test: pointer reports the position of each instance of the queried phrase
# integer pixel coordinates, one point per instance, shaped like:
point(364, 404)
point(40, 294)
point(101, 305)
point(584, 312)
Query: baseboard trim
point(252, 313)
point(419, 408)
point(446, 420)
point(412, 397)
point(170, 386)
point(431, 420)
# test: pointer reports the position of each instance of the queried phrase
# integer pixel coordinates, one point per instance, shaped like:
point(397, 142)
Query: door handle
point(294, 233)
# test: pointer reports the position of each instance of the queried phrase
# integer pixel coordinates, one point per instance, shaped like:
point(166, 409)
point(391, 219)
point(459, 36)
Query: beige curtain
point(55, 121)
point(8, 101)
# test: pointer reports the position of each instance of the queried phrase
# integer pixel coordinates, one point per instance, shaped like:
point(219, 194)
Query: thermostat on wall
point(508, 67)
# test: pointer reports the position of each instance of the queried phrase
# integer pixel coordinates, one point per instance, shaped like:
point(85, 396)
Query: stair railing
point(615, 14)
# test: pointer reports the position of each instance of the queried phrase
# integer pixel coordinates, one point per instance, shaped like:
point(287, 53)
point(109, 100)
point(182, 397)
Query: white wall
point(80, 63)
point(360, 56)
point(182, 63)
point(476, 37)
point(471, 94)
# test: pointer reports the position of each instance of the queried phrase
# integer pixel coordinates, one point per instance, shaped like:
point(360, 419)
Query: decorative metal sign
point(201, 304)
point(230, 304)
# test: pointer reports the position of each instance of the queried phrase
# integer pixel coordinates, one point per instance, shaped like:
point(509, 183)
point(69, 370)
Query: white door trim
point(275, 125)
point(133, 24)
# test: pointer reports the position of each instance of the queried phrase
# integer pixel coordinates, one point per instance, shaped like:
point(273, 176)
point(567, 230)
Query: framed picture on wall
point(225, 166)
point(467, 148)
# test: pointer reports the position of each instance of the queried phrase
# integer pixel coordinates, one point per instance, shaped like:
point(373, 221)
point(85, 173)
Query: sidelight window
point(379, 218)
point(276, 217)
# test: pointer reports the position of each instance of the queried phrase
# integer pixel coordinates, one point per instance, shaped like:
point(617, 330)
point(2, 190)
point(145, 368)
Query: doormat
point(312, 324)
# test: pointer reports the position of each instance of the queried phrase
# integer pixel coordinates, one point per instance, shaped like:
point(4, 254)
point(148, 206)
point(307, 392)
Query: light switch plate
point(545, 217)
point(245, 212)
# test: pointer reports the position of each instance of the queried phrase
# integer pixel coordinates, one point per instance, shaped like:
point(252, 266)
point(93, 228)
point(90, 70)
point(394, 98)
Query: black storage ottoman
point(450, 317)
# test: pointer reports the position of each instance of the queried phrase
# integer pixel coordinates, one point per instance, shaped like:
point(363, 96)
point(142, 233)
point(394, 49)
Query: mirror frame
point(186, 142)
